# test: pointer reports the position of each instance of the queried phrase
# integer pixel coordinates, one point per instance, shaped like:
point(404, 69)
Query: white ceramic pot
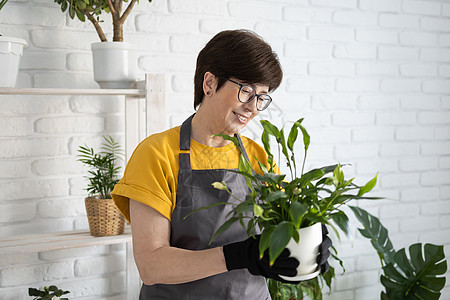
point(306, 251)
point(115, 64)
point(11, 49)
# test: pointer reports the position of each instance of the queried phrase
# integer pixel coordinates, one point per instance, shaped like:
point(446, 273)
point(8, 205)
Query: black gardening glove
point(245, 254)
point(324, 251)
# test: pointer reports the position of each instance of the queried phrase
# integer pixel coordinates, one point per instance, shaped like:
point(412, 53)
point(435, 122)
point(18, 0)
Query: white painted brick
point(419, 224)
point(422, 7)
point(32, 147)
point(418, 164)
point(97, 104)
point(331, 3)
point(414, 133)
point(371, 134)
point(331, 68)
point(444, 40)
point(435, 178)
point(309, 84)
point(166, 24)
point(34, 105)
point(445, 192)
point(444, 163)
point(266, 11)
point(442, 133)
point(398, 21)
point(435, 24)
point(16, 126)
point(183, 83)
point(15, 212)
point(420, 102)
point(163, 64)
point(435, 54)
point(199, 7)
point(330, 135)
point(330, 33)
point(381, 36)
point(437, 237)
point(68, 124)
point(294, 66)
point(307, 14)
point(445, 102)
point(14, 169)
point(65, 80)
point(335, 295)
point(419, 194)
point(187, 43)
point(87, 287)
point(445, 9)
point(358, 18)
point(397, 53)
point(382, 5)
point(396, 118)
point(118, 283)
point(378, 103)
point(114, 124)
point(350, 152)
point(213, 26)
point(64, 39)
point(373, 166)
point(418, 70)
point(440, 118)
point(55, 255)
point(436, 86)
point(308, 50)
point(80, 62)
point(9, 259)
point(401, 85)
point(349, 51)
point(35, 273)
point(98, 265)
point(150, 42)
point(37, 226)
point(43, 60)
point(33, 189)
point(352, 119)
point(377, 68)
point(418, 38)
point(368, 262)
point(284, 31)
point(357, 85)
point(61, 208)
point(399, 210)
point(32, 15)
point(334, 102)
point(436, 148)
point(357, 279)
point(444, 71)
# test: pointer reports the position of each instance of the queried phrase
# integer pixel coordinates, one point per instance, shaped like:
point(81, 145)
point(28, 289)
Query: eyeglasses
point(247, 94)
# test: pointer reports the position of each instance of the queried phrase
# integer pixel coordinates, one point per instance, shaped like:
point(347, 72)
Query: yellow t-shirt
point(151, 174)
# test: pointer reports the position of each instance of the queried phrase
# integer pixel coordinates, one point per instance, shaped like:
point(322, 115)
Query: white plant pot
point(115, 64)
point(306, 251)
point(11, 49)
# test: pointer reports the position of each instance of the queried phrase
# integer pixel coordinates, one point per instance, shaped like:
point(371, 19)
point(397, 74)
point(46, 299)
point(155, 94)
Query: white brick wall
point(370, 77)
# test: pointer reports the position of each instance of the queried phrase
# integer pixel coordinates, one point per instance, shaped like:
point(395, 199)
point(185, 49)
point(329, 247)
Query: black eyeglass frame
point(241, 86)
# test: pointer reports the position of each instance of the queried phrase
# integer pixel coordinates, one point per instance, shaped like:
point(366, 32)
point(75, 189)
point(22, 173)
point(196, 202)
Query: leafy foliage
point(104, 172)
point(413, 277)
point(2, 3)
point(48, 293)
point(92, 9)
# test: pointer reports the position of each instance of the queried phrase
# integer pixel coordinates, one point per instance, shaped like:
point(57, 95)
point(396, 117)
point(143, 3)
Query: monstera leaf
point(415, 277)
point(377, 234)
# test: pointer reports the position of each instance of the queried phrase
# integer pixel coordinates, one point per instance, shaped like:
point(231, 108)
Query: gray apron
point(195, 232)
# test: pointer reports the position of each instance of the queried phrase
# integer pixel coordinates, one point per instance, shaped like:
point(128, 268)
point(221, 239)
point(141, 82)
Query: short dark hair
point(241, 54)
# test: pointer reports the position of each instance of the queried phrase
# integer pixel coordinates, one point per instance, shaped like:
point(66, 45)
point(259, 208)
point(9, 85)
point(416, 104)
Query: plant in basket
point(290, 213)
point(103, 215)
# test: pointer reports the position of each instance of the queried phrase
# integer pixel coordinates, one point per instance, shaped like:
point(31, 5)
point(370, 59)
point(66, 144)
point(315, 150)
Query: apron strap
point(185, 144)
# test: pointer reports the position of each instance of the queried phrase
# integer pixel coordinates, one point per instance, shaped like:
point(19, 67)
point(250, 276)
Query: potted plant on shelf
point(115, 63)
point(11, 49)
point(287, 212)
point(104, 217)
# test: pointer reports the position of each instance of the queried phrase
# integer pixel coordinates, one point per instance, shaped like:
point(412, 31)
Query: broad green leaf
point(341, 220)
point(270, 129)
point(229, 138)
point(223, 228)
point(292, 137)
point(204, 208)
point(297, 212)
point(258, 210)
point(279, 239)
point(306, 137)
point(264, 240)
point(276, 196)
point(368, 186)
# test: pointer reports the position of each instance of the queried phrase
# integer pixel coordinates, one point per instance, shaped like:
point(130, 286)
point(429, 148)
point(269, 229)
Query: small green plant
point(49, 293)
point(92, 9)
point(2, 3)
point(104, 169)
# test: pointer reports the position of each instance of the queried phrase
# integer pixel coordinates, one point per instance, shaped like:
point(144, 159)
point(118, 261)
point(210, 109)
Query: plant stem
point(97, 27)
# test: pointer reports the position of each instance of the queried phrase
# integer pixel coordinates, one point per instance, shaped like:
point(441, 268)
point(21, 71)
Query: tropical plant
point(2, 3)
point(92, 9)
point(49, 293)
point(407, 274)
point(104, 169)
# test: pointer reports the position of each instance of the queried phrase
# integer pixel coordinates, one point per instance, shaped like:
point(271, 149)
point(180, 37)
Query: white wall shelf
point(142, 118)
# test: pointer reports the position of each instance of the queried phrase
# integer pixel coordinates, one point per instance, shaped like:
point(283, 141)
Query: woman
point(170, 175)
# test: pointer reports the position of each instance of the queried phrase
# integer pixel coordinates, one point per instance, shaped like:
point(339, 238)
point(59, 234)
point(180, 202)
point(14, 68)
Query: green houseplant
point(49, 293)
point(115, 63)
point(103, 216)
point(279, 208)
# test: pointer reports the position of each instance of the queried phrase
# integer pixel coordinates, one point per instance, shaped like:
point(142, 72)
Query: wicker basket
point(104, 217)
